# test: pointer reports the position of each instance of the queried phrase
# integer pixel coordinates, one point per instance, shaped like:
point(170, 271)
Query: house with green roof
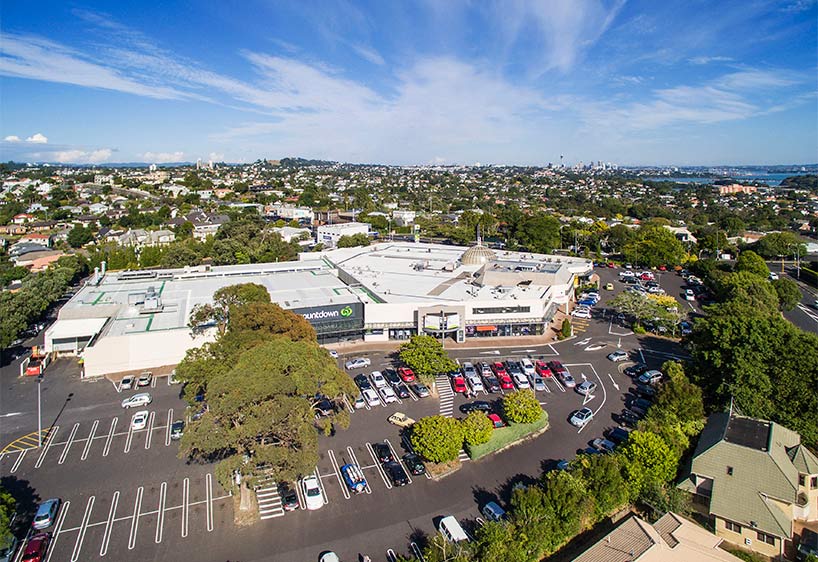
point(756, 480)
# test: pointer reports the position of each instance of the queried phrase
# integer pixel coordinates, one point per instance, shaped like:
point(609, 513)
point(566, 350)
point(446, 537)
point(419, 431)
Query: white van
point(451, 530)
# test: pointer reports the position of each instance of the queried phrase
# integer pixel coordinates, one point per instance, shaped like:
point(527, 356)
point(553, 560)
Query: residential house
point(139, 237)
point(671, 539)
point(23, 218)
point(206, 224)
point(41, 226)
point(36, 238)
point(682, 234)
point(37, 208)
point(37, 260)
point(302, 235)
point(757, 482)
point(403, 217)
point(97, 208)
point(13, 229)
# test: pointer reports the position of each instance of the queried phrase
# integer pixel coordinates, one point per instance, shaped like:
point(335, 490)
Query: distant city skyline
point(518, 83)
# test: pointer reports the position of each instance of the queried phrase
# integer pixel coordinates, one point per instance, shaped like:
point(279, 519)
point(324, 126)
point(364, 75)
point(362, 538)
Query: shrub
point(437, 438)
point(477, 428)
point(566, 328)
point(521, 407)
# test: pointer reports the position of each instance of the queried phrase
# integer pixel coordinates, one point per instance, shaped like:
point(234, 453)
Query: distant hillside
point(808, 181)
point(301, 162)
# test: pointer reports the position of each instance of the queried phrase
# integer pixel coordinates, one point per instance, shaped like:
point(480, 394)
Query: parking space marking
point(160, 518)
point(151, 417)
point(16, 464)
point(378, 465)
point(153, 382)
point(107, 447)
point(337, 471)
point(51, 435)
point(75, 555)
point(167, 428)
point(185, 505)
point(129, 438)
point(399, 460)
point(209, 504)
point(109, 525)
point(58, 529)
point(298, 492)
point(137, 505)
point(68, 443)
point(354, 458)
point(89, 440)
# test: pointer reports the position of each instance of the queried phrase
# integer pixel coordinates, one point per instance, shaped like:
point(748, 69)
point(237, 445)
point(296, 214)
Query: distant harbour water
point(771, 179)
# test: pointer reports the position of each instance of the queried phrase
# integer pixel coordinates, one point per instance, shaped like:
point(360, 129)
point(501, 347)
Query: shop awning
point(485, 328)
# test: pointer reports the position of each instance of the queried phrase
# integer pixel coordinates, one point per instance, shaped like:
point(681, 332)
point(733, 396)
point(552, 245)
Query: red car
point(36, 548)
point(459, 384)
point(662, 268)
point(496, 421)
point(542, 369)
point(611, 264)
point(504, 378)
point(499, 369)
point(406, 374)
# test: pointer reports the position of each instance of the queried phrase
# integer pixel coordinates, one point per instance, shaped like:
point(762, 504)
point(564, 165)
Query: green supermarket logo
point(346, 311)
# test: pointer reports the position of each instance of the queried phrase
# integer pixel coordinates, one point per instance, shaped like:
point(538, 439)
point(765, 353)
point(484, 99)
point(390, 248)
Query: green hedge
point(505, 436)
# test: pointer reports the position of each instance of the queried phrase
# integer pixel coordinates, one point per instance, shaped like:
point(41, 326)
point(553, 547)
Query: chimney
point(96, 276)
point(104, 267)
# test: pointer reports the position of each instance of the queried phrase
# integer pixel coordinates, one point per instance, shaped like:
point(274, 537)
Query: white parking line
point(167, 428)
point(337, 471)
point(129, 438)
point(399, 460)
point(153, 381)
point(16, 464)
point(209, 504)
point(109, 525)
point(301, 502)
point(75, 555)
point(58, 529)
point(185, 505)
point(50, 438)
point(160, 519)
point(117, 386)
point(151, 417)
point(107, 447)
point(68, 443)
point(378, 465)
point(355, 460)
point(137, 504)
point(89, 440)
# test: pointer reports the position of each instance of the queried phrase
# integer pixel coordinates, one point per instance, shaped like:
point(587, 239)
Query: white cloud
point(369, 54)
point(707, 60)
point(75, 156)
point(216, 156)
point(37, 138)
point(163, 157)
point(12, 138)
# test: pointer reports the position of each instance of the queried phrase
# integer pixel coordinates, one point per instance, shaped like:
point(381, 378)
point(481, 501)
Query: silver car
point(357, 363)
point(137, 400)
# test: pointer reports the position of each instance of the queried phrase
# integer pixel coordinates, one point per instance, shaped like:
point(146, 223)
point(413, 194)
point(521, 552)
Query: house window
point(764, 537)
point(802, 480)
point(732, 526)
point(814, 482)
point(729, 471)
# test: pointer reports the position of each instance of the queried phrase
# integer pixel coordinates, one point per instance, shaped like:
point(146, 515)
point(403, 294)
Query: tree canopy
point(426, 356)
point(522, 407)
point(437, 438)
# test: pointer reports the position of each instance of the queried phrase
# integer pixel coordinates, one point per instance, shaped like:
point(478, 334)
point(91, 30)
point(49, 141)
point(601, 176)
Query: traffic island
point(439, 471)
point(505, 437)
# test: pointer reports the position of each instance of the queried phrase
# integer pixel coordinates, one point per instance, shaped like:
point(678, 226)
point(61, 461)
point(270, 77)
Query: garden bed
point(509, 436)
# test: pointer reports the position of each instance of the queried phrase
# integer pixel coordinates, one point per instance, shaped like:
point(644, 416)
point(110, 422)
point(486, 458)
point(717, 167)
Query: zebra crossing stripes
point(269, 501)
point(446, 395)
point(463, 456)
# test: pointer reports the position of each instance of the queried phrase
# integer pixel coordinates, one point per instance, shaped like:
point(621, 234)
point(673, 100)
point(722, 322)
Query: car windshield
point(312, 492)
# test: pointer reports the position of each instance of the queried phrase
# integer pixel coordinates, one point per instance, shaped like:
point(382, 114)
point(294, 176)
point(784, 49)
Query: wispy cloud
point(701, 60)
point(369, 54)
point(163, 157)
point(81, 156)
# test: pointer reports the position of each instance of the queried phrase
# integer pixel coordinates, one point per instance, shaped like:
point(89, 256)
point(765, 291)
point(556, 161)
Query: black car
point(401, 390)
point(618, 435)
point(455, 373)
point(363, 382)
point(491, 383)
point(626, 417)
point(639, 406)
point(396, 474)
point(289, 499)
point(414, 464)
point(325, 408)
point(476, 406)
point(391, 376)
point(635, 370)
point(645, 391)
point(383, 452)
point(177, 430)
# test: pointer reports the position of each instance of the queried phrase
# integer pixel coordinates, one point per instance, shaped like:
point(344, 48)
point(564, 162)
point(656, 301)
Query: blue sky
point(399, 82)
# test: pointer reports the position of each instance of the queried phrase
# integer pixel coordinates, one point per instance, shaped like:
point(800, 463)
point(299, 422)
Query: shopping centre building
point(136, 320)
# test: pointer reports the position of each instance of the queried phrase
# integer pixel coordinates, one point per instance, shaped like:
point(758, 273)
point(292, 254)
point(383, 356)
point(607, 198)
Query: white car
point(388, 395)
point(528, 366)
point(773, 276)
point(581, 313)
point(475, 383)
point(378, 380)
point(127, 383)
point(521, 380)
point(139, 420)
point(357, 363)
point(371, 397)
point(333, 354)
point(690, 295)
point(581, 417)
point(141, 399)
point(313, 496)
point(144, 379)
point(618, 356)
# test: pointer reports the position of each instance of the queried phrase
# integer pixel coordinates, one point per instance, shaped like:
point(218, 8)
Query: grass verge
point(507, 436)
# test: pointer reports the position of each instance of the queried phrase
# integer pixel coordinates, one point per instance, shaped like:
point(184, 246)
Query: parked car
point(391, 376)
point(635, 370)
point(127, 383)
point(357, 363)
point(618, 356)
point(177, 429)
point(618, 435)
point(414, 464)
point(513, 367)
point(420, 389)
point(557, 367)
point(499, 369)
point(459, 384)
point(586, 387)
point(581, 312)
point(324, 407)
point(36, 548)
point(289, 499)
point(388, 395)
point(406, 374)
point(493, 512)
point(773, 276)
point(603, 445)
point(139, 420)
point(690, 295)
point(490, 382)
point(469, 370)
point(538, 383)
point(505, 381)
point(46, 514)
point(383, 452)
point(542, 369)
point(586, 303)
point(650, 377)
point(362, 382)
point(521, 381)
point(353, 478)
point(528, 366)
point(645, 391)
point(378, 379)
point(313, 495)
point(401, 390)
point(144, 379)
point(475, 383)
point(567, 380)
point(609, 286)
point(629, 418)
point(8, 550)
point(581, 417)
point(639, 406)
point(359, 402)
point(400, 419)
point(371, 397)
point(496, 421)
point(685, 328)
point(396, 473)
point(137, 400)
point(476, 406)
point(333, 354)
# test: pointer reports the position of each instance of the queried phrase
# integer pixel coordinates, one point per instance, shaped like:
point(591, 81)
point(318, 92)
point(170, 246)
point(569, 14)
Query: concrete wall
point(771, 550)
point(140, 351)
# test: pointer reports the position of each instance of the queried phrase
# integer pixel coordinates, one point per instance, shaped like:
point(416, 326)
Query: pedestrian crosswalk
point(446, 395)
point(463, 456)
point(580, 325)
point(269, 501)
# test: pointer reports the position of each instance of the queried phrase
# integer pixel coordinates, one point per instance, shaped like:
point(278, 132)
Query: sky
point(522, 82)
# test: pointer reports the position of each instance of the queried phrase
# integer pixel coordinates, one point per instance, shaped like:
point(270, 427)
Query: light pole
point(39, 414)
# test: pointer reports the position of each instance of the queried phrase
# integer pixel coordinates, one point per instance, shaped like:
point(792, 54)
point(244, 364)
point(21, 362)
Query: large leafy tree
point(647, 459)
point(603, 480)
point(788, 293)
point(654, 245)
point(522, 407)
point(477, 428)
point(426, 356)
point(437, 438)
point(539, 233)
point(7, 503)
point(751, 262)
point(224, 300)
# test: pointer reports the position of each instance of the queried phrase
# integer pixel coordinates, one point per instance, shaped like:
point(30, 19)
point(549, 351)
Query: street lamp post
point(39, 414)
